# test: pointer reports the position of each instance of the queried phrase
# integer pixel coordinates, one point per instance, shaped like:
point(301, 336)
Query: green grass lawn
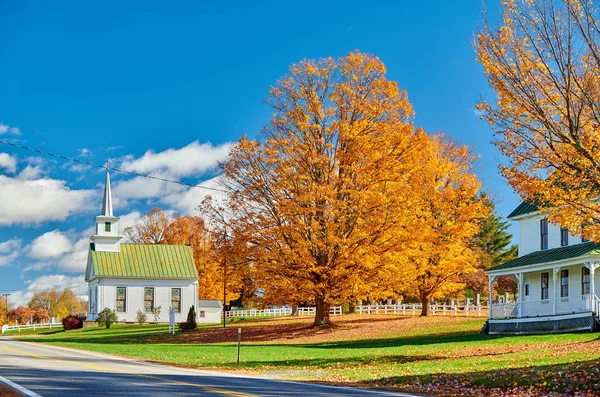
point(442, 355)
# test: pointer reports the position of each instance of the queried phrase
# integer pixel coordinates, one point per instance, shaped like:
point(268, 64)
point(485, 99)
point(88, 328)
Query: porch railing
point(548, 307)
point(505, 310)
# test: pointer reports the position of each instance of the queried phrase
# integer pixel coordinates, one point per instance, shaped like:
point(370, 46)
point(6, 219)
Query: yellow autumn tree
point(446, 214)
point(46, 300)
point(544, 65)
point(318, 199)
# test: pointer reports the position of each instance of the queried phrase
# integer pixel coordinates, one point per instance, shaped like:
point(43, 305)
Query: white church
point(132, 277)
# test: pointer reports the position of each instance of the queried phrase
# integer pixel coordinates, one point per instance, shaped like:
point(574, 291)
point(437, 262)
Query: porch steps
point(486, 328)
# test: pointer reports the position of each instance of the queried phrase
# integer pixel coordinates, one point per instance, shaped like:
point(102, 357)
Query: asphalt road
point(53, 371)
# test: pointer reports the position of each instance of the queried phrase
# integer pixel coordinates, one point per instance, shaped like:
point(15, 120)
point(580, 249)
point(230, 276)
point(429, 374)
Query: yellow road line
point(90, 366)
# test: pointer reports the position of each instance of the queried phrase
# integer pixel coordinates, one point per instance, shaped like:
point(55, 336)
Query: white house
point(556, 276)
point(132, 277)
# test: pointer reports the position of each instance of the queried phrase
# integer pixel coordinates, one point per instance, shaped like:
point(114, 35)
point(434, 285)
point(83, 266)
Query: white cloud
point(188, 201)
point(39, 200)
point(9, 251)
point(129, 220)
point(30, 172)
point(37, 266)
point(50, 245)
point(48, 282)
point(5, 129)
point(192, 159)
point(8, 162)
point(76, 259)
point(139, 188)
point(10, 245)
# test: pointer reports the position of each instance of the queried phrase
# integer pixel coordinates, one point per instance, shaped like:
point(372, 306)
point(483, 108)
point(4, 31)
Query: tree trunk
point(321, 312)
point(295, 311)
point(425, 306)
point(351, 307)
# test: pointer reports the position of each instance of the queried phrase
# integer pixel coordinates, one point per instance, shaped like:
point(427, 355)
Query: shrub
point(72, 322)
point(40, 316)
point(20, 315)
point(190, 324)
point(141, 317)
point(156, 313)
point(107, 317)
point(191, 318)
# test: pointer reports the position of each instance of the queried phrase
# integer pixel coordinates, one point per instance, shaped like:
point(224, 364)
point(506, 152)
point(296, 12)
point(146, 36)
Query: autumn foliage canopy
point(544, 65)
point(343, 198)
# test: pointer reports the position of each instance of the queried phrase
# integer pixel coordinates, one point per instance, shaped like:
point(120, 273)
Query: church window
point(107, 226)
point(121, 299)
point(176, 299)
point(148, 299)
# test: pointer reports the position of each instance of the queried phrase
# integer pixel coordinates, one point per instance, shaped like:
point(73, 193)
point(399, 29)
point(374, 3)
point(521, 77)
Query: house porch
point(551, 297)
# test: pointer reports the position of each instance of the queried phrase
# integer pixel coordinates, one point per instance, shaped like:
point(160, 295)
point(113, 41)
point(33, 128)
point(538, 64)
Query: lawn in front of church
point(435, 355)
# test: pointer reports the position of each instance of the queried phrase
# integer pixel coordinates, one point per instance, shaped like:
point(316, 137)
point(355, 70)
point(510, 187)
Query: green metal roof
point(146, 261)
point(523, 208)
point(552, 255)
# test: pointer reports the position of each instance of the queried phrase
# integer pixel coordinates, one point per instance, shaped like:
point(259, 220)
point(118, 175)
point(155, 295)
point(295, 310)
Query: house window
point(121, 299)
point(202, 313)
point(583, 239)
point(176, 299)
point(107, 227)
point(148, 299)
point(545, 286)
point(526, 289)
point(585, 281)
point(564, 236)
point(544, 233)
point(564, 283)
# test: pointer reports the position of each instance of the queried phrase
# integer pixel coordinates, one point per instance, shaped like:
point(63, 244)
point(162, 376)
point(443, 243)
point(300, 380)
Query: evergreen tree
point(493, 242)
point(492, 247)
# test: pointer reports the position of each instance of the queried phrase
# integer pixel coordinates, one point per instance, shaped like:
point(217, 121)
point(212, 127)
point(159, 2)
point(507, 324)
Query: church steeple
point(107, 236)
point(107, 209)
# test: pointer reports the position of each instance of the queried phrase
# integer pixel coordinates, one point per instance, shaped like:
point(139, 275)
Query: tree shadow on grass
point(568, 379)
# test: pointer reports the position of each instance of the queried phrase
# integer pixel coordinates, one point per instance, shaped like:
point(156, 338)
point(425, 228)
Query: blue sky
point(164, 89)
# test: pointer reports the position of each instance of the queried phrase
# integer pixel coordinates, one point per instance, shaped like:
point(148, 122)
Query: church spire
point(107, 236)
point(107, 209)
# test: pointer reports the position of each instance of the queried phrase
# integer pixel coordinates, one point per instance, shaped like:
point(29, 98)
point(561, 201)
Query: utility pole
point(6, 314)
point(225, 278)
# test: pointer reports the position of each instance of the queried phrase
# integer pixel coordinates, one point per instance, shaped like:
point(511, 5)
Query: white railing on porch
point(414, 309)
point(18, 328)
point(547, 307)
point(505, 310)
point(286, 311)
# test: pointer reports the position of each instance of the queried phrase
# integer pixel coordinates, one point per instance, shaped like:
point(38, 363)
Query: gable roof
point(211, 304)
point(523, 208)
point(145, 261)
point(551, 255)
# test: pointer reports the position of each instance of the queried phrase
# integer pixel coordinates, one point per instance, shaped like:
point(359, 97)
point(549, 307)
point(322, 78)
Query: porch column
point(592, 266)
point(519, 289)
point(554, 294)
point(490, 299)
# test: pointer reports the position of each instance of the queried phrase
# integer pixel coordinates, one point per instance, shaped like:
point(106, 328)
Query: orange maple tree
point(445, 214)
point(544, 65)
point(319, 199)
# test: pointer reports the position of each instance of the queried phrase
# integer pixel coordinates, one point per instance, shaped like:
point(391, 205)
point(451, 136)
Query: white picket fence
point(414, 309)
point(286, 311)
point(18, 328)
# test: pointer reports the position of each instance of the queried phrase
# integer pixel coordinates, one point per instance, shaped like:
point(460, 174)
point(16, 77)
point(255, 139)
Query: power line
point(73, 286)
point(71, 159)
